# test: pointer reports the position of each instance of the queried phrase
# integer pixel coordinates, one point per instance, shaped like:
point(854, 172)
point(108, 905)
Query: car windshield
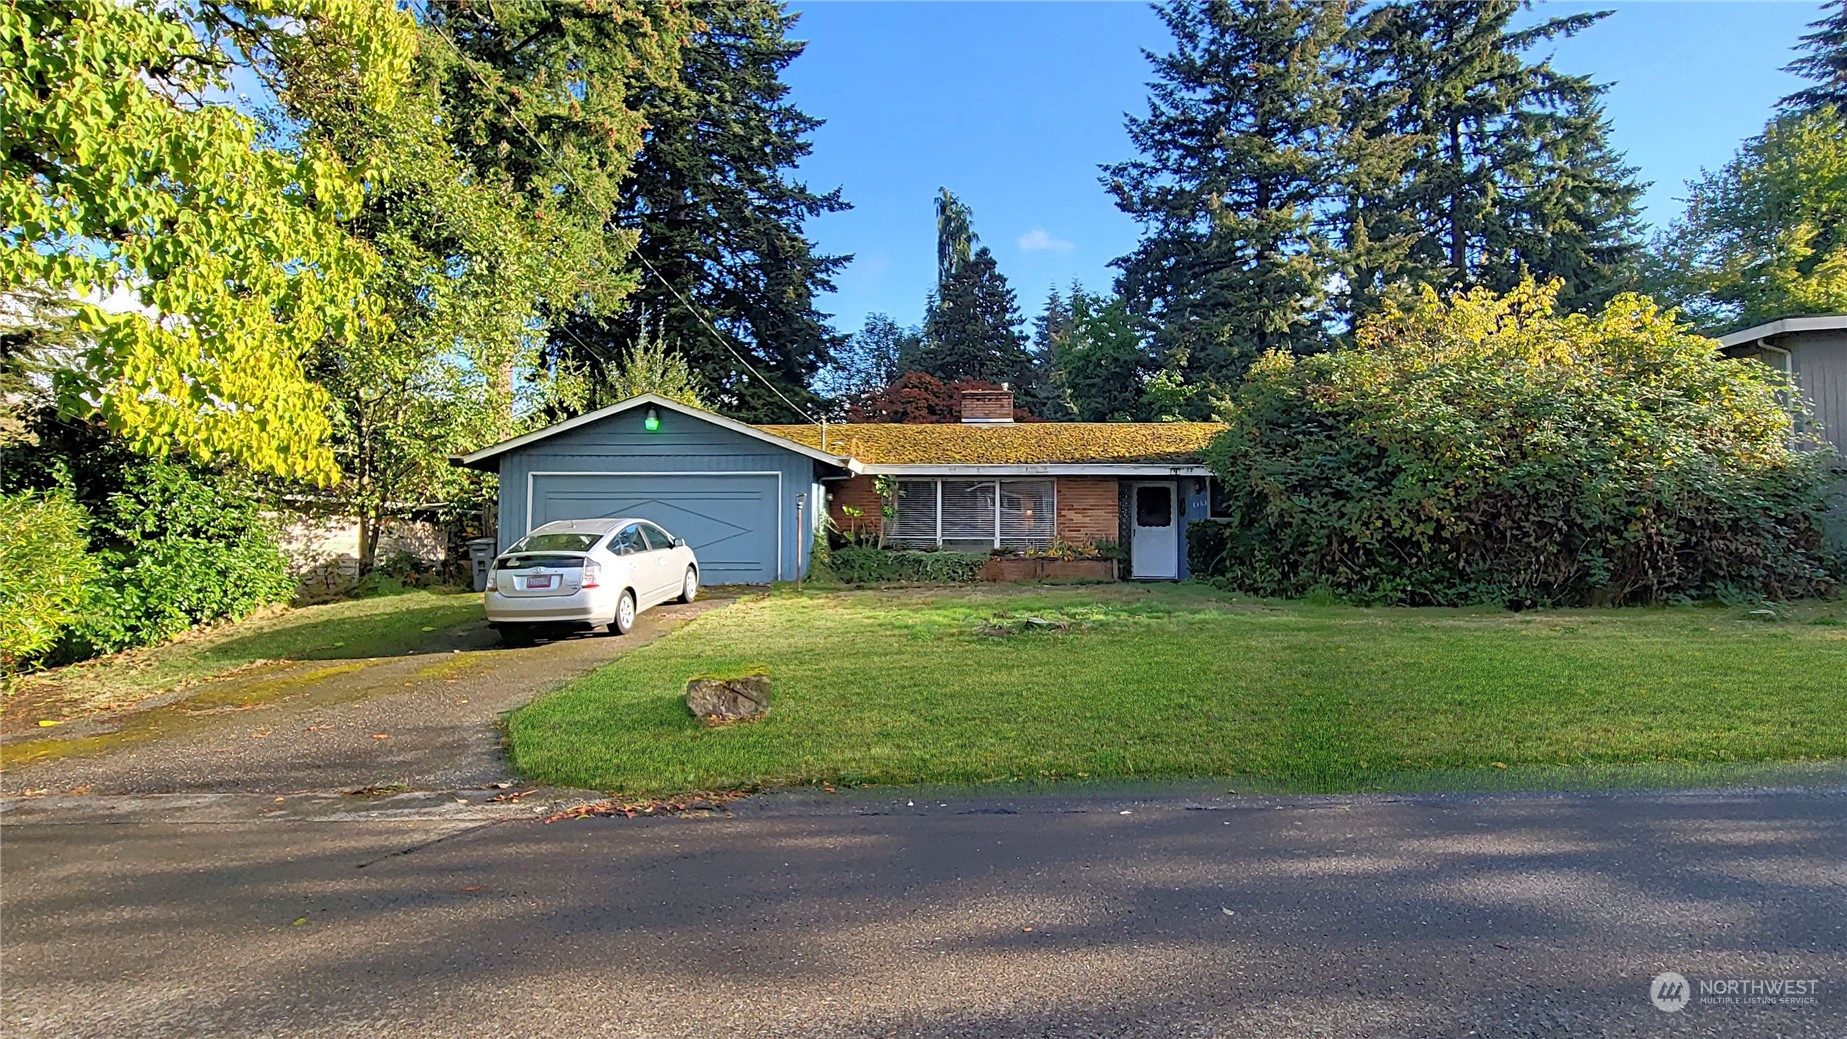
point(562, 542)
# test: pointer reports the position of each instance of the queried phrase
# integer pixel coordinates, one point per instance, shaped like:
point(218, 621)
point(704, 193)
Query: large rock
point(729, 699)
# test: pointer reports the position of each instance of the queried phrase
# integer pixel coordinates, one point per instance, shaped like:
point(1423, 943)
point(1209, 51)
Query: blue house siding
point(683, 445)
point(1194, 507)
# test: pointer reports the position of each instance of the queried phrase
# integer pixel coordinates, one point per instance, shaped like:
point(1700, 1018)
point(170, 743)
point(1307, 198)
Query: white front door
point(1154, 550)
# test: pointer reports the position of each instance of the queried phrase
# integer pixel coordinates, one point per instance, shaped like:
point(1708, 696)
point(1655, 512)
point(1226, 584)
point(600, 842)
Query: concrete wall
point(324, 550)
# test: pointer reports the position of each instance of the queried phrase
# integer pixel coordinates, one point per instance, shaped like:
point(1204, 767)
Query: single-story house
point(1813, 351)
point(750, 499)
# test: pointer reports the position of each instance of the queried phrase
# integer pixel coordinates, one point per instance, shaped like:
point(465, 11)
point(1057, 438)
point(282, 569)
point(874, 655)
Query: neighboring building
point(1813, 350)
point(744, 496)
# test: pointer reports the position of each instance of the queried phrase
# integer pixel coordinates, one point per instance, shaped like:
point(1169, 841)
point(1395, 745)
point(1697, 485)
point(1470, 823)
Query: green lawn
point(347, 630)
point(1127, 681)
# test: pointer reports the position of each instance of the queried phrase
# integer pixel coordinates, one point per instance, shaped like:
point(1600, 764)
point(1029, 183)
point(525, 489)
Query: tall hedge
point(175, 550)
point(45, 573)
point(1488, 449)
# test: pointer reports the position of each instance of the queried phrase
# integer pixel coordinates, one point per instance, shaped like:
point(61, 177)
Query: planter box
point(1078, 570)
point(1021, 568)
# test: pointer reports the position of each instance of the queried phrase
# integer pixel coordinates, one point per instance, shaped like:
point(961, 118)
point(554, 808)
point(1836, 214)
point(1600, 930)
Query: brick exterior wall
point(987, 405)
point(859, 493)
point(1087, 509)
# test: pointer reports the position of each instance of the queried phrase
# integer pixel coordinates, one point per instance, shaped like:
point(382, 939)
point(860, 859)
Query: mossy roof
point(1022, 443)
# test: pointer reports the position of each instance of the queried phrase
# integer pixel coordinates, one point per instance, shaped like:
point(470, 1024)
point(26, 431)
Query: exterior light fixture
point(652, 420)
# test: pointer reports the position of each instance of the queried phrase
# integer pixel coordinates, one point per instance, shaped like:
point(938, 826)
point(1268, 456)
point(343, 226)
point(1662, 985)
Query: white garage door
point(729, 519)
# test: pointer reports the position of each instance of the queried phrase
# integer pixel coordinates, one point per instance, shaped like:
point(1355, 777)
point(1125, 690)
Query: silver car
point(587, 574)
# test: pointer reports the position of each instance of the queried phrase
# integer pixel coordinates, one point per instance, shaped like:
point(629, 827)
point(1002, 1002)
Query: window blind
point(974, 515)
point(968, 514)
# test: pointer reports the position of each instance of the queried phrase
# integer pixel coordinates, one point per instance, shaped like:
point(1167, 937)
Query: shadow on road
point(1377, 917)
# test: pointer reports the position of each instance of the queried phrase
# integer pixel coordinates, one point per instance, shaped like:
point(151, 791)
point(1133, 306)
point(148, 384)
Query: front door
point(1154, 550)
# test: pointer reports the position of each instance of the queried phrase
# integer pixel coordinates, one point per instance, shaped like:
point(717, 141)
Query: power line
point(669, 286)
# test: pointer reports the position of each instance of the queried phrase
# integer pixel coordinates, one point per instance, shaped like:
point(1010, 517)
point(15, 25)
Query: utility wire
point(475, 71)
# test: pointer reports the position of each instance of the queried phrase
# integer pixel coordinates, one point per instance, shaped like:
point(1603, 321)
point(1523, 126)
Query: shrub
point(175, 549)
point(1490, 450)
point(44, 556)
point(855, 565)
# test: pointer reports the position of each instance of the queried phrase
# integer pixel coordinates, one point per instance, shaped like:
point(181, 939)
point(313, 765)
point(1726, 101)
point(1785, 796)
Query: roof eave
point(474, 459)
point(1783, 326)
point(1148, 469)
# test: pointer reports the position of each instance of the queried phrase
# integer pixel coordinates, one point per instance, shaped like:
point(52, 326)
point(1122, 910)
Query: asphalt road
point(1513, 915)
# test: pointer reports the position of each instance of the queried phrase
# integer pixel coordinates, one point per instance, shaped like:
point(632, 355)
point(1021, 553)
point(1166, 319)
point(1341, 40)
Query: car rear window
point(522, 561)
point(571, 542)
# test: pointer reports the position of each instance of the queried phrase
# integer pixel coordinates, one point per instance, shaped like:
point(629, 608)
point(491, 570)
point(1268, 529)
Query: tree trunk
point(1458, 236)
point(370, 521)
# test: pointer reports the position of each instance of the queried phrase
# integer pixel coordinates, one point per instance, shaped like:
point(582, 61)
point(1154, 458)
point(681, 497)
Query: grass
point(1123, 682)
point(347, 630)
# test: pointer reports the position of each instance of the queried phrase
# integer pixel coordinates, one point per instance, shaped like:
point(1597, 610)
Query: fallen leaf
point(46, 723)
point(1028, 930)
point(380, 736)
point(428, 628)
point(475, 887)
point(299, 921)
point(279, 800)
point(1500, 764)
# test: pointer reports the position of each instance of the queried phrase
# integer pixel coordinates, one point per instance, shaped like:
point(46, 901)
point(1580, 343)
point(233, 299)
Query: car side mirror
point(679, 542)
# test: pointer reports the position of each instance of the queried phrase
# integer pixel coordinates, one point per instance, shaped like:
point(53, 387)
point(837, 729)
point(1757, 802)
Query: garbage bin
point(481, 552)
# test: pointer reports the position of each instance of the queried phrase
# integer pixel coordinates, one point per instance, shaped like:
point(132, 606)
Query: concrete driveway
point(881, 915)
point(428, 720)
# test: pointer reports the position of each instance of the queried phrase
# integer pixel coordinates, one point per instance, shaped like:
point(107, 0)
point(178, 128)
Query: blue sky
point(1013, 105)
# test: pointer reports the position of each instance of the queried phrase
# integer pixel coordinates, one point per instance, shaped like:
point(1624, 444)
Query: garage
point(729, 519)
point(743, 498)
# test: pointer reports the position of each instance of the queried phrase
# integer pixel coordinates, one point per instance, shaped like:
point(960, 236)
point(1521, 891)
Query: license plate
point(541, 582)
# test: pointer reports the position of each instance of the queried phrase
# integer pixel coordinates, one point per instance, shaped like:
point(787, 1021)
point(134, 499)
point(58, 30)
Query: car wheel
point(689, 588)
point(516, 634)
point(624, 620)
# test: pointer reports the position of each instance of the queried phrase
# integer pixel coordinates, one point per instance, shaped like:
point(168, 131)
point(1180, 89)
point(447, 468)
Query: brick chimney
point(987, 407)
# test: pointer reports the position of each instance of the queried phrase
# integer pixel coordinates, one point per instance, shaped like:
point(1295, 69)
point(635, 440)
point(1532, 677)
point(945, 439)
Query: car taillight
point(591, 573)
point(492, 584)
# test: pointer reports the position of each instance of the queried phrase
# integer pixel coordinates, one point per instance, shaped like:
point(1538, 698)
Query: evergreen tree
point(720, 218)
point(955, 237)
point(871, 358)
point(1238, 155)
point(1825, 63)
point(1044, 394)
point(1509, 169)
point(973, 328)
point(1099, 360)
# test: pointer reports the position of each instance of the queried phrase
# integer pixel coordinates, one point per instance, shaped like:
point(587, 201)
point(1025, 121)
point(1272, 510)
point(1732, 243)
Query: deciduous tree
point(1765, 236)
point(200, 263)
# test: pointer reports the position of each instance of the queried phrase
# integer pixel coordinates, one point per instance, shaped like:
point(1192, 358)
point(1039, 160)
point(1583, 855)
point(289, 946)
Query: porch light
point(652, 420)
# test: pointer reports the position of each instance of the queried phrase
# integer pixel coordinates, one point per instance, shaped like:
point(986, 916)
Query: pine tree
point(1509, 168)
point(973, 328)
point(1825, 63)
point(1238, 155)
point(720, 219)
